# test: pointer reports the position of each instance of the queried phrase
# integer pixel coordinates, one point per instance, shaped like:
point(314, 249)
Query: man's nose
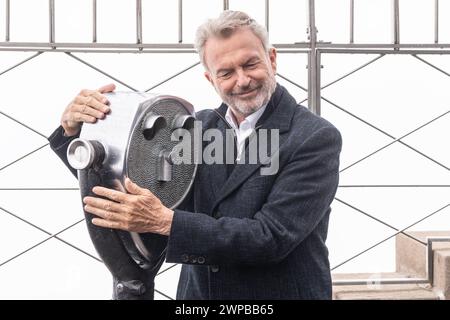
point(243, 80)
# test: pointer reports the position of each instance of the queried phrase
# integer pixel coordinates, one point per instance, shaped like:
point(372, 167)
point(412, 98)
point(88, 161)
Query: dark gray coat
point(250, 236)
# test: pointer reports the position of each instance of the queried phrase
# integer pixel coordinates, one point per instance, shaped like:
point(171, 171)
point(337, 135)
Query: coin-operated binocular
point(134, 140)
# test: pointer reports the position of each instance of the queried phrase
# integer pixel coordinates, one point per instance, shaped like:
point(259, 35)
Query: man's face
point(241, 71)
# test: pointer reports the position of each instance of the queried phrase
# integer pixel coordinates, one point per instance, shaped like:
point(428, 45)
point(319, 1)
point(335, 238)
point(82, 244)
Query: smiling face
point(241, 71)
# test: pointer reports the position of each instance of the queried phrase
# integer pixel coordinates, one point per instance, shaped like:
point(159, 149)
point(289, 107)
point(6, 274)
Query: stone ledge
point(410, 255)
point(375, 291)
point(410, 263)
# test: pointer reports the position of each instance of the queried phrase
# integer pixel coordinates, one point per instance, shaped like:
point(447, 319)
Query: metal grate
point(315, 50)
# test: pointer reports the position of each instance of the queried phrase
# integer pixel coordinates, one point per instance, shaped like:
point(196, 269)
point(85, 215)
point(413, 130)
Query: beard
point(245, 107)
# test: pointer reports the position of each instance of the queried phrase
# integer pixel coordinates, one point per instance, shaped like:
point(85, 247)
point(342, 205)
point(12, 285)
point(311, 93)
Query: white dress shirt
point(245, 129)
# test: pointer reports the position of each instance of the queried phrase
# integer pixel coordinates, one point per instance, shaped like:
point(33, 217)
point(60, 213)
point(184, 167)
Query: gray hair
point(226, 25)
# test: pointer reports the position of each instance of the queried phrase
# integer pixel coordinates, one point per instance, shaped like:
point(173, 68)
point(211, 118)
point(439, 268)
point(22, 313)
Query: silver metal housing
point(107, 146)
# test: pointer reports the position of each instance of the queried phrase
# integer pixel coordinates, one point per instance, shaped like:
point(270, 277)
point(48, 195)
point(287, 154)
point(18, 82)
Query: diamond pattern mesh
point(392, 111)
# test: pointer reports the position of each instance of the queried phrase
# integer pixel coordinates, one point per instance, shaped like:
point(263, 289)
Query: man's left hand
point(139, 210)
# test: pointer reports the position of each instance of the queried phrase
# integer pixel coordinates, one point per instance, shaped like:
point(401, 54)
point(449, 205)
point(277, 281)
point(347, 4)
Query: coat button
point(201, 260)
point(214, 268)
point(185, 258)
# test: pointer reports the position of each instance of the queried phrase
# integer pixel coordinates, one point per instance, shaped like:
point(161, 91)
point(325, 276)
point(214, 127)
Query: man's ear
point(273, 59)
point(208, 77)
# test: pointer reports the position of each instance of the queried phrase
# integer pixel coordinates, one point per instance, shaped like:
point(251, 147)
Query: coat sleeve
point(59, 144)
point(300, 197)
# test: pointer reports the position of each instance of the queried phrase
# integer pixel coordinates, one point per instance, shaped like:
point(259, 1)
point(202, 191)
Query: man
point(240, 234)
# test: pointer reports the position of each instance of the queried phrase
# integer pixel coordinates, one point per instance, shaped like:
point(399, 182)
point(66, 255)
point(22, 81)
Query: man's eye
point(251, 65)
point(224, 74)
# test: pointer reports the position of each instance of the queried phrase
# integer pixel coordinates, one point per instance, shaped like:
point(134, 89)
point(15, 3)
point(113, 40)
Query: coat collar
point(278, 115)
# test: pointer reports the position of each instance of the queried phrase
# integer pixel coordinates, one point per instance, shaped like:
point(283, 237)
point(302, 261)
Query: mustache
point(247, 90)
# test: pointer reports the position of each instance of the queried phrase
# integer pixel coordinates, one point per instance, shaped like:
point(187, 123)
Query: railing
point(315, 50)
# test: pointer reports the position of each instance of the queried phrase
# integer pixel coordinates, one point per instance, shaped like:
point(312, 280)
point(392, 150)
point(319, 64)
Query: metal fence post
point(51, 24)
point(312, 60)
point(7, 13)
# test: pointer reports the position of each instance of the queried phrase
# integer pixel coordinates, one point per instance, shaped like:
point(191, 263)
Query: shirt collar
point(252, 119)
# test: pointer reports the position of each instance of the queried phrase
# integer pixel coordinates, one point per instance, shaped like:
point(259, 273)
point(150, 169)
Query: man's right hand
point(88, 106)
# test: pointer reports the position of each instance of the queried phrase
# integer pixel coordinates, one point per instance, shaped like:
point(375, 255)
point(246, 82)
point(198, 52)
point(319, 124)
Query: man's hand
point(88, 106)
point(138, 211)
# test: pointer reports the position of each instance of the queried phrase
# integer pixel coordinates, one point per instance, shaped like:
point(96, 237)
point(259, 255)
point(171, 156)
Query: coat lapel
point(218, 171)
point(278, 115)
